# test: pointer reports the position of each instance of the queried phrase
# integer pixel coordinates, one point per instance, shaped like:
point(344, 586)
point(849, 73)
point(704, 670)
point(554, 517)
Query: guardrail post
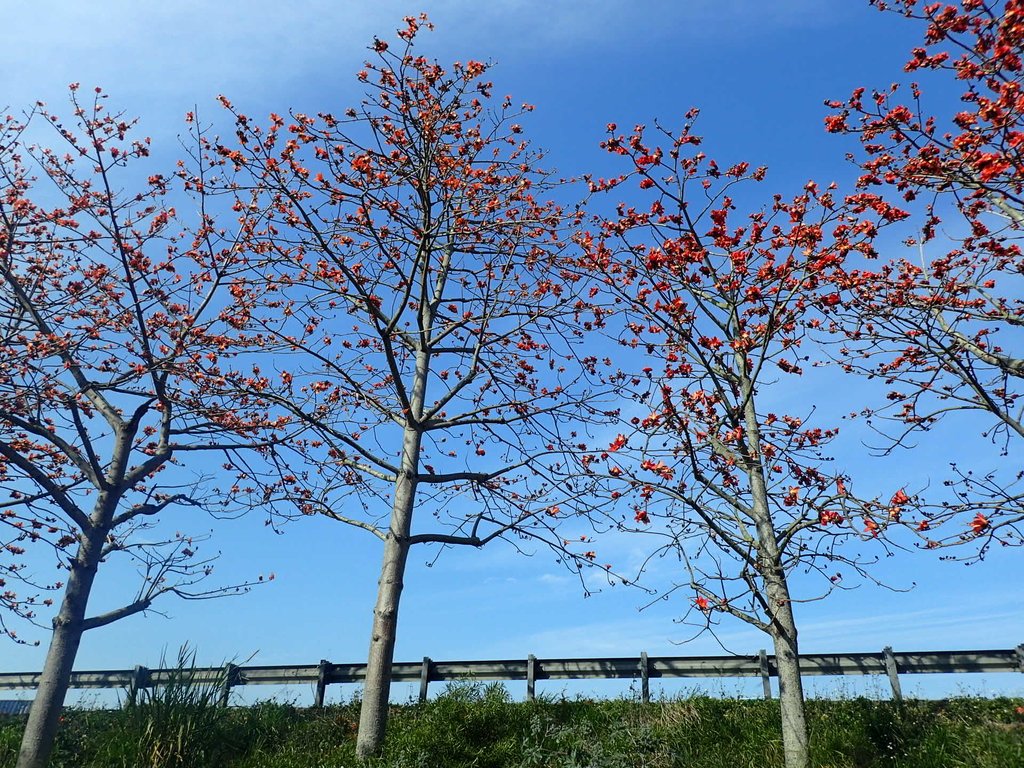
point(1019, 650)
point(531, 677)
point(140, 679)
point(892, 672)
point(424, 678)
point(766, 673)
point(321, 683)
point(230, 678)
point(645, 678)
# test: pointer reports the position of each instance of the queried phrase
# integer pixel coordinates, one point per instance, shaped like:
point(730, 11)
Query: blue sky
point(759, 71)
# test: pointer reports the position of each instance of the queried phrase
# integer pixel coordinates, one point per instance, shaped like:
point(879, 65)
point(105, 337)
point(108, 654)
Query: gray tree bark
point(781, 622)
point(68, 626)
point(791, 690)
point(373, 714)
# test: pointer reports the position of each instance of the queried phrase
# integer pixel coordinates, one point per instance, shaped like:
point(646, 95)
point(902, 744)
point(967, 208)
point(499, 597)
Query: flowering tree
point(941, 329)
point(104, 319)
point(423, 322)
point(717, 465)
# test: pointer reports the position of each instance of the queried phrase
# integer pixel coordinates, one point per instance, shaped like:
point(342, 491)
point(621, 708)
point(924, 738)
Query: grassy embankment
point(480, 726)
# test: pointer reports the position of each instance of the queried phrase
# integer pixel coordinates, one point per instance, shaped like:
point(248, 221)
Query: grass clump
point(177, 724)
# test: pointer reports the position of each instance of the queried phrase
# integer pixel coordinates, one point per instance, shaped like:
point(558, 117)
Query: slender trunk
point(791, 689)
point(373, 714)
point(782, 624)
point(43, 718)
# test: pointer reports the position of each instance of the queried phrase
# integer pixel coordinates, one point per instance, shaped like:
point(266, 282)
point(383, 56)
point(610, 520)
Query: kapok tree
point(105, 316)
point(942, 328)
point(423, 323)
point(720, 463)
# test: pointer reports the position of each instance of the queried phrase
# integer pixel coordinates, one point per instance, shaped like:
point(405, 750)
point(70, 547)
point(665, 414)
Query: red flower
point(701, 603)
point(659, 468)
point(835, 123)
point(830, 517)
point(900, 497)
point(979, 523)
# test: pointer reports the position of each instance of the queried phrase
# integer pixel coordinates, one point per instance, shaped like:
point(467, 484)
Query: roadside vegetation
point(481, 726)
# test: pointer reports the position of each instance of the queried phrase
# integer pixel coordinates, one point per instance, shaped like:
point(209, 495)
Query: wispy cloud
point(631, 634)
point(947, 627)
point(168, 55)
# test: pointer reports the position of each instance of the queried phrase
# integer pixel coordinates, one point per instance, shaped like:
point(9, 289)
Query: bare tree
point(424, 320)
point(719, 470)
point(942, 328)
point(104, 316)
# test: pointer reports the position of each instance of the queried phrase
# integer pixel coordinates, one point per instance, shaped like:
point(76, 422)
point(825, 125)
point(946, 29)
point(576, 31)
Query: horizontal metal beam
point(907, 663)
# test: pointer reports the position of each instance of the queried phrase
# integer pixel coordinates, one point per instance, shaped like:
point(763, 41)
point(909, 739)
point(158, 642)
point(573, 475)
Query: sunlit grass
point(481, 726)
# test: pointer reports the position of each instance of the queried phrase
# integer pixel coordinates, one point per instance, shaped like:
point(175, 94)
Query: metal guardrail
point(890, 663)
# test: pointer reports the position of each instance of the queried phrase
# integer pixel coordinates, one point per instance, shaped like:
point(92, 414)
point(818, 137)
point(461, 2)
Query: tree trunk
point(373, 714)
point(782, 624)
point(44, 716)
point(791, 689)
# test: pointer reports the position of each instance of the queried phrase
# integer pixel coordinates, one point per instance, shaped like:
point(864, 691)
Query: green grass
point(480, 726)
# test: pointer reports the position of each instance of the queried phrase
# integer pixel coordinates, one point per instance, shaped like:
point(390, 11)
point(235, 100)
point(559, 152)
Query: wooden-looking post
point(645, 679)
point(531, 677)
point(140, 679)
point(321, 683)
point(424, 678)
point(230, 678)
point(766, 674)
point(892, 672)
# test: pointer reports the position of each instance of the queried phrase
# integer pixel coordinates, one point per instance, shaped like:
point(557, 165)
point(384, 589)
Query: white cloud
point(632, 634)
point(948, 626)
point(169, 55)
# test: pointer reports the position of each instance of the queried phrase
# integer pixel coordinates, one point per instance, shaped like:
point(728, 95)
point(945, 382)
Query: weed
point(177, 723)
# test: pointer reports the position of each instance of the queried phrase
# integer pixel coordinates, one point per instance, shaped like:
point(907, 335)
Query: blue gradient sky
point(758, 70)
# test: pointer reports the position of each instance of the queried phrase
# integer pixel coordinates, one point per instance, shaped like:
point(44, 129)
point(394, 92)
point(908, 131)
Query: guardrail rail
point(644, 668)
